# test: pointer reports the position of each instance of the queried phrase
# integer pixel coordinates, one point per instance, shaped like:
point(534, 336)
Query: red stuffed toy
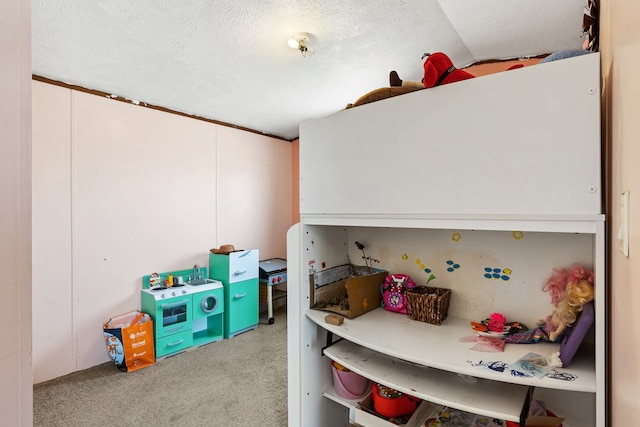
point(439, 70)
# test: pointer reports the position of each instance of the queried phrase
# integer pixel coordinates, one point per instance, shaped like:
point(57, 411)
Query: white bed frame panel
point(490, 145)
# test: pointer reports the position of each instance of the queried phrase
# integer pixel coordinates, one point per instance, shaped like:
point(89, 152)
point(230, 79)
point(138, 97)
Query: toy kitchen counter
point(187, 312)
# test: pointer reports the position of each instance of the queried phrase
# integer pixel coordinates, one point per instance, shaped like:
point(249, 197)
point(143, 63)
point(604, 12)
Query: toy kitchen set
point(199, 306)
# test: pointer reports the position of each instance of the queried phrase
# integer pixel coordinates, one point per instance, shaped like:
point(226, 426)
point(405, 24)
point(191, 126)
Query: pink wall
point(121, 191)
point(253, 191)
point(52, 238)
point(295, 182)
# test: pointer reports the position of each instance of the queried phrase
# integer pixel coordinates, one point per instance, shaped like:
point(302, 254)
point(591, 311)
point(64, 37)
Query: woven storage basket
point(428, 304)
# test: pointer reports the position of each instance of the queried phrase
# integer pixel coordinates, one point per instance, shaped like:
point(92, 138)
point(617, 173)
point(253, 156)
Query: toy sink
point(197, 282)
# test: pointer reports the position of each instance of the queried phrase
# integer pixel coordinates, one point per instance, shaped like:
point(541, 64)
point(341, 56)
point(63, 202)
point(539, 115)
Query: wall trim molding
point(147, 105)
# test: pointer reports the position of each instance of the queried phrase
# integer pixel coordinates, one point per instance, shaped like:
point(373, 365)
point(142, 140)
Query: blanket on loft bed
point(439, 70)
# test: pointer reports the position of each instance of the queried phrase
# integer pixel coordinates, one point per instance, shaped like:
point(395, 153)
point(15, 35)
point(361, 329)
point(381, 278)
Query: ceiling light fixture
point(300, 41)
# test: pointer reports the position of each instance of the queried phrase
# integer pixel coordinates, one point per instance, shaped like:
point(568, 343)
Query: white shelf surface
point(330, 393)
point(490, 398)
point(424, 344)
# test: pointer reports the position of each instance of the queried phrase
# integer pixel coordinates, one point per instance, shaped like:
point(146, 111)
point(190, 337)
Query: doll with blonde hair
point(570, 290)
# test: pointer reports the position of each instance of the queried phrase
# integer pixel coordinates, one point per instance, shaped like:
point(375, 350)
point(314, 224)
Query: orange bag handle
point(137, 318)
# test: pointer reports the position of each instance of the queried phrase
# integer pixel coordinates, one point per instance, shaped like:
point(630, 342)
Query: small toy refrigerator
point(238, 272)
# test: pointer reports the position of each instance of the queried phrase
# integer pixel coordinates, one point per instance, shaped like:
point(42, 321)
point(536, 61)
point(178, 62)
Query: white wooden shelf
point(399, 337)
point(490, 398)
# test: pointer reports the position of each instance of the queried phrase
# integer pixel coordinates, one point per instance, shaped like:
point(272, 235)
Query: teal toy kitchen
point(186, 307)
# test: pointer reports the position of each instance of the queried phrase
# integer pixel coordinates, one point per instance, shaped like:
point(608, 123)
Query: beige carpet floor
point(237, 382)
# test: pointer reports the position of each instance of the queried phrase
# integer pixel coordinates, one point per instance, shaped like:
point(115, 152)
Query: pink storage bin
point(349, 385)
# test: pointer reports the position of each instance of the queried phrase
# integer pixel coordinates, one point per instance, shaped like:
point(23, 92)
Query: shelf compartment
point(207, 336)
point(367, 418)
point(331, 394)
point(490, 398)
point(362, 417)
point(396, 335)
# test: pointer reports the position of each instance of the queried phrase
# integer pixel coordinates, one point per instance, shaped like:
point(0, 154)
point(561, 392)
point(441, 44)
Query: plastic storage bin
point(393, 406)
point(348, 385)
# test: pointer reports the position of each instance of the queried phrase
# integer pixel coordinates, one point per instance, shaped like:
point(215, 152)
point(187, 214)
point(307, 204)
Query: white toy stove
point(185, 315)
point(163, 293)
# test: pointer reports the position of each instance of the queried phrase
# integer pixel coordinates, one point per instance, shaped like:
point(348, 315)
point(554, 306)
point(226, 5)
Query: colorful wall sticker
point(452, 266)
point(422, 266)
point(497, 273)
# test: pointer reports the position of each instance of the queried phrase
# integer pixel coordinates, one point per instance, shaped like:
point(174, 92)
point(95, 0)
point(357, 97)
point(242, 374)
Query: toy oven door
point(174, 315)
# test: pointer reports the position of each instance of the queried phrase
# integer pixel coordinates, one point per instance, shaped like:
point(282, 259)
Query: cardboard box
point(348, 290)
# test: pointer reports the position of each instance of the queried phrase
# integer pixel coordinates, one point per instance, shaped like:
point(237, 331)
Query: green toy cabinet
point(238, 272)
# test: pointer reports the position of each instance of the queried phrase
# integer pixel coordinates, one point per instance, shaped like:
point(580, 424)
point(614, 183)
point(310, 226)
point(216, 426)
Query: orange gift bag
point(129, 340)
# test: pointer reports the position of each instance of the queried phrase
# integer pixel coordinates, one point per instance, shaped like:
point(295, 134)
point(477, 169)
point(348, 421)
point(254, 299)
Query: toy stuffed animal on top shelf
point(438, 70)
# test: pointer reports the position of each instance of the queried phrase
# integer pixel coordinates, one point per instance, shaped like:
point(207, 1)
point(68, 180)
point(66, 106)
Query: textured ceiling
point(228, 60)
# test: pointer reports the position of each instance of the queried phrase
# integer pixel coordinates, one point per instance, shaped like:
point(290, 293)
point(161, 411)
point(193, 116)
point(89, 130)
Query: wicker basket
point(428, 304)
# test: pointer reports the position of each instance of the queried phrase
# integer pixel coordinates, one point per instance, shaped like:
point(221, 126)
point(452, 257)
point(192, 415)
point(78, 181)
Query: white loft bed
point(517, 151)
point(522, 142)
